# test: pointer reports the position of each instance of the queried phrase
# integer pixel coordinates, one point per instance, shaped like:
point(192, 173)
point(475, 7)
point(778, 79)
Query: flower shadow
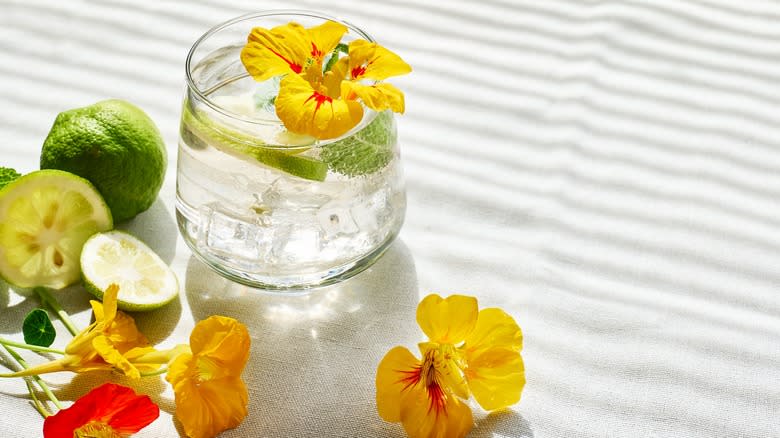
point(14, 310)
point(313, 359)
point(158, 324)
point(505, 423)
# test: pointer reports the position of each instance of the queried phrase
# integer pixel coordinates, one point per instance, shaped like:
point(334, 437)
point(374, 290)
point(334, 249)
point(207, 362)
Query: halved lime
point(145, 281)
point(45, 218)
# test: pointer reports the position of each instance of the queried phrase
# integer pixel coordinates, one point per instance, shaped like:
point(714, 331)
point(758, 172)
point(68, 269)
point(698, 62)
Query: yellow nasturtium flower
point(469, 352)
point(289, 48)
point(210, 395)
point(323, 104)
point(111, 342)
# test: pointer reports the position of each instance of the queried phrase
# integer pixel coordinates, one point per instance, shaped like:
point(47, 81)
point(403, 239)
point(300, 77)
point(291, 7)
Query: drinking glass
point(266, 207)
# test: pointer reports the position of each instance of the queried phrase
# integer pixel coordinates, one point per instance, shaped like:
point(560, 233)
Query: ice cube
point(302, 244)
point(229, 235)
point(287, 193)
point(336, 221)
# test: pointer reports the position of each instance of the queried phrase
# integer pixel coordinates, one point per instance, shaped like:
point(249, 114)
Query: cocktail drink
point(269, 207)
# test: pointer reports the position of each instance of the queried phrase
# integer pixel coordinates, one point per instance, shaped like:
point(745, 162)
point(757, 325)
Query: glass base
point(286, 283)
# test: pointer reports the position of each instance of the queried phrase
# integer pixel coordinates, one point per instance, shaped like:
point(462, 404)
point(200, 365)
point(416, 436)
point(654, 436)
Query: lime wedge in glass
point(227, 140)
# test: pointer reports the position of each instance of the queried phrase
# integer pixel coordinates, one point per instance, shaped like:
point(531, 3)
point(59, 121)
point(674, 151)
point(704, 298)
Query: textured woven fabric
point(608, 172)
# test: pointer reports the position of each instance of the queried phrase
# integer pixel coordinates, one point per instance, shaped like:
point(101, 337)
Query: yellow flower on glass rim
point(111, 342)
point(210, 395)
point(289, 48)
point(470, 352)
point(311, 107)
point(323, 104)
point(372, 61)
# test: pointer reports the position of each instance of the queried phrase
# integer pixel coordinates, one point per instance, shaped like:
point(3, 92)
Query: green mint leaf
point(37, 328)
point(7, 175)
point(368, 151)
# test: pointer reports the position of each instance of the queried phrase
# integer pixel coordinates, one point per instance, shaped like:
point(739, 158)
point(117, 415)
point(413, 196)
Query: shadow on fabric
point(157, 228)
point(506, 423)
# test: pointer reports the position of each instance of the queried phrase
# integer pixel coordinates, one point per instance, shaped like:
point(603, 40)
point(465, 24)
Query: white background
point(607, 172)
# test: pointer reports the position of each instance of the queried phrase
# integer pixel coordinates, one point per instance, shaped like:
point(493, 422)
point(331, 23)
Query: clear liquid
point(265, 227)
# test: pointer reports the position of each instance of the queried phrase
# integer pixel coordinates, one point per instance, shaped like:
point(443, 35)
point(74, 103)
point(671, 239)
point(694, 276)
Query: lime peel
point(116, 146)
point(7, 175)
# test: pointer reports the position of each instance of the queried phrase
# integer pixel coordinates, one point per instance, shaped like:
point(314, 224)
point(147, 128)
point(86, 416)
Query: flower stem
point(35, 402)
point(49, 300)
point(155, 373)
point(37, 380)
point(9, 343)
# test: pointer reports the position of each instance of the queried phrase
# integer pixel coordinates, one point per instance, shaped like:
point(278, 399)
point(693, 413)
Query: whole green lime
point(114, 145)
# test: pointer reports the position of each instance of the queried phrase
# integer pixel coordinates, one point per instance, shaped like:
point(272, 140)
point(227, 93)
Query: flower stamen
point(96, 429)
point(437, 398)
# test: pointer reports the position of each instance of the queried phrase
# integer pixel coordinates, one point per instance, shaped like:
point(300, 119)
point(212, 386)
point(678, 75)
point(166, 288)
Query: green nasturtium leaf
point(38, 329)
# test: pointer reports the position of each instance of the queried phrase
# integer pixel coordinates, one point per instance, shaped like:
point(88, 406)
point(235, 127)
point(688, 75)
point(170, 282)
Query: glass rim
point(251, 16)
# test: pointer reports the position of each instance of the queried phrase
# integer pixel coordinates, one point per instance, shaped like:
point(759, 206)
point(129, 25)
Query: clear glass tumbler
point(266, 207)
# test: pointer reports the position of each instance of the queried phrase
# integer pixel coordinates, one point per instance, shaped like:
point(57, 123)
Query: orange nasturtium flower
point(111, 342)
point(323, 104)
point(469, 352)
point(210, 395)
point(108, 411)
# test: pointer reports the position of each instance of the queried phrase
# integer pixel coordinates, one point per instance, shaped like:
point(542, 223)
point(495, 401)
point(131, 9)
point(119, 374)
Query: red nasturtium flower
point(108, 411)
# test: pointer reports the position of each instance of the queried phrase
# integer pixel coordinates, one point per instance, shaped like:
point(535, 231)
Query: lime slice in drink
point(145, 281)
point(45, 218)
point(201, 128)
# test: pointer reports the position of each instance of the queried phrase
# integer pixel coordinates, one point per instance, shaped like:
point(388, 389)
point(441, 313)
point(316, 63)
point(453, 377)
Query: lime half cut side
point(115, 257)
point(45, 218)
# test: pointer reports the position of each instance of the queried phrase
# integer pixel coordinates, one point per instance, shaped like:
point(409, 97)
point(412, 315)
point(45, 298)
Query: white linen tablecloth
point(608, 172)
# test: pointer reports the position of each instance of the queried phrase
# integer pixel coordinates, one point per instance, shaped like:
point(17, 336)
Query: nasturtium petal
point(421, 420)
point(399, 371)
point(334, 78)
point(113, 406)
point(114, 357)
point(378, 97)
point(109, 305)
point(305, 110)
point(495, 328)
point(372, 61)
point(324, 39)
point(496, 377)
point(272, 52)
point(124, 334)
point(223, 340)
point(205, 407)
point(447, 320)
